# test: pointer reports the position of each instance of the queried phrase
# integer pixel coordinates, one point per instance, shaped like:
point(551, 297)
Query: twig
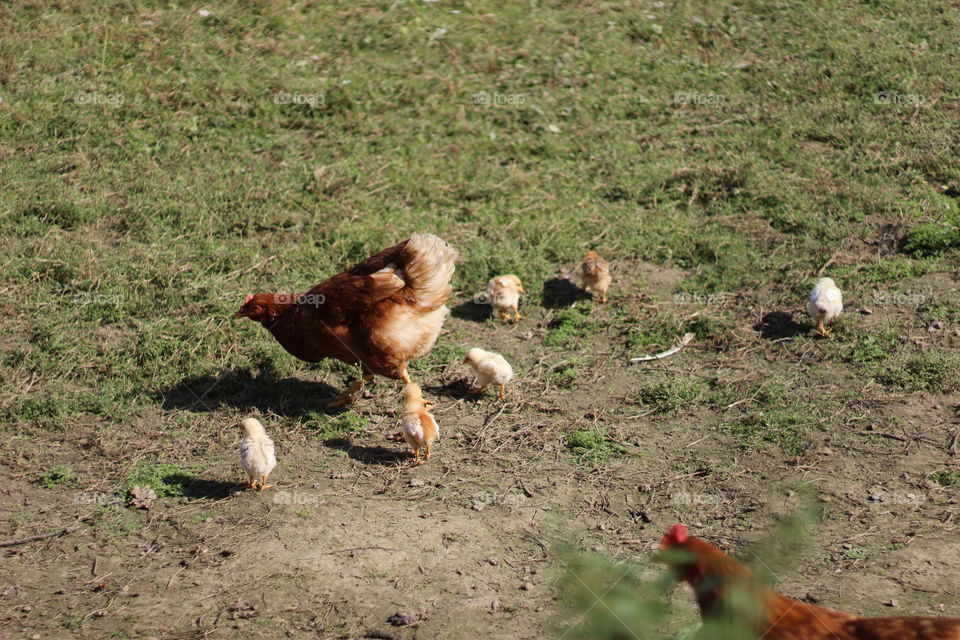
point(43, 536)
point(684, 341)
point(374, 547)
point(884, 435)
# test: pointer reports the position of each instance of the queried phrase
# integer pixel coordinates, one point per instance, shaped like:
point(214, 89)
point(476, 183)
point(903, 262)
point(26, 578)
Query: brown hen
point(726, 588)
point(380, 314)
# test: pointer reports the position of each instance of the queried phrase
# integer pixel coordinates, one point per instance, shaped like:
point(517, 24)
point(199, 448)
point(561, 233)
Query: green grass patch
point(165, 479)
point(671, 395)
point(931, 240)
point(936, 371)
point(569, 326)
point(592, 445)
point(946, 478)
point(339, 426)
point(56, 476)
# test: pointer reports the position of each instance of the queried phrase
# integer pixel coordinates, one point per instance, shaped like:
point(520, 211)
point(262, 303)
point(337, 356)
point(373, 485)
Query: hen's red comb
point(248, 298)
point(676, 535)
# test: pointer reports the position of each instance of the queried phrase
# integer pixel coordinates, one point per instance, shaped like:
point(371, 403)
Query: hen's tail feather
point(429, 269)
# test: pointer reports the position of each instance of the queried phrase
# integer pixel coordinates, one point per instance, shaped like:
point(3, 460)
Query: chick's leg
point(263, 482)
point(251, 482)
point(516, 314)
point(429, 446)
point(502, 393)
point(822, 328)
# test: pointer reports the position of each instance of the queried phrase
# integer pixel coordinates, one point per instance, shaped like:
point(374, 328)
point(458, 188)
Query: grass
point(947, 478)
point(935, 371)
point(569, 326)
point(165, 479)
point(56, 476)
point(339, 426)
point(102, 165)
point(592, 445)
point(671, 395)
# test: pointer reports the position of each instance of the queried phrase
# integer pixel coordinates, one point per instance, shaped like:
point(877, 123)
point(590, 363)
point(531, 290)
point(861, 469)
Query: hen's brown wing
point(903, 628)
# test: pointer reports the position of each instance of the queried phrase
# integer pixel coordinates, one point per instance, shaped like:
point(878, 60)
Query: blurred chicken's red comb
point(248, 298)
point(676, 535)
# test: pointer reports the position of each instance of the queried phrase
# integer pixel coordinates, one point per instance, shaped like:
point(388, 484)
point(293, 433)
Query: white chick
point(490, 368)
point(504, 294)
point(826, 303)
point(256, 454)
point(419, 427)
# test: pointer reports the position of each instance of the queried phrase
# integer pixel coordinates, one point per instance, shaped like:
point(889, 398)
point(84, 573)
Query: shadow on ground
point(561, 292)
point(471, 310)
point(779, 324)
point(376, 455)
point(264, 391)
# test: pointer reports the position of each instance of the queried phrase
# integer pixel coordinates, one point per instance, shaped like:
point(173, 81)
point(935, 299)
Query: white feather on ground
point(257, 451)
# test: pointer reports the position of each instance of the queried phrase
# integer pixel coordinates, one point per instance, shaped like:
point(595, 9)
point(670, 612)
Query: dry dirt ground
point(352, 534)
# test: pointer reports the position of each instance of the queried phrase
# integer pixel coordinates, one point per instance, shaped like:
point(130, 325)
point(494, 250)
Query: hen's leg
point(350, 394)
point(405, 376)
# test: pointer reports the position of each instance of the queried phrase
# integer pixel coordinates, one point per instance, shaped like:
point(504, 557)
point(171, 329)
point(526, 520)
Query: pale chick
point(595, 272)
point(504, 294)
point(257, 455)
point(491, 368)
point(826, 303)
point(419, 427)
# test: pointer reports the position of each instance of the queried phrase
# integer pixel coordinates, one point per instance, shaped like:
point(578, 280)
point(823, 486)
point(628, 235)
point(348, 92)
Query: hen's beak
point(238, 314)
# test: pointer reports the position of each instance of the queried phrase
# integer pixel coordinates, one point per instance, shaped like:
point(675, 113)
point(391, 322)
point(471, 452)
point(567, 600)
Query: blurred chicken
point(380, 314)
point(596, 274)
point(826, 303)
point(491, 368)
point(419, 427)
point(256, 454)
point(727, 592)
point(504, 294)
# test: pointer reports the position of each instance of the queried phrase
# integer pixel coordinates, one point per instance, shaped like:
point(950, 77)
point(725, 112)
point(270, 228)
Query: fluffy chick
point(504, 295)
point(419, 427)
point(256, 454)
point(490, 368)
point(596, 274)
point(826, 303)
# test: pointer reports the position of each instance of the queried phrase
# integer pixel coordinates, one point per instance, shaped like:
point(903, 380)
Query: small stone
point(865, 311)
point(492, 562)
point(527, 586)
point(890, 603)
point(26, 608)
point(416, 482)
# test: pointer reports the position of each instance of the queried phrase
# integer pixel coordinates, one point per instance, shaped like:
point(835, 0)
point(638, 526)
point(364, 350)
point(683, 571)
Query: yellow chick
point(826, 303)
point(596, 274)
point(490, 368)
point(504, 294)
point(257, 455)
point(419, 427)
